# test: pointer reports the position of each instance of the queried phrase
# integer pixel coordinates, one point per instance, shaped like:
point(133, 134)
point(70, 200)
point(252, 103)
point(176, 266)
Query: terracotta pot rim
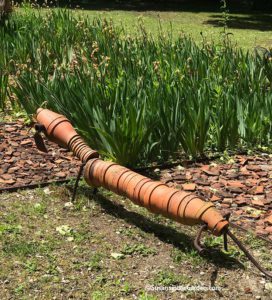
point(127, 180)
point(58, 121)
point(206, 206)
point(171, 198)
point(149, 191)
point(104, 170)
point(139, 186)
point(111, 181)
point(73, 140)
point(217, 229)
point(131, 186)
point(182, 214)
point(76, 146)
point(169, 194)
point(82, 150)
point(89, 155)
point(91, 166)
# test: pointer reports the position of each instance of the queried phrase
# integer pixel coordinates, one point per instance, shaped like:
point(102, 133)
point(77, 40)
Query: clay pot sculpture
point(186, 208)
point(58, 129)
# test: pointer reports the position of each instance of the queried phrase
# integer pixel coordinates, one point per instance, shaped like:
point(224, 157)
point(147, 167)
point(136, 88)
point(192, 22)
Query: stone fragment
point(26, 142)
point(9, 181)
point(10, 129)
point(257, 190)
point(257, 202)
point(189, 187)
point(268, 219)
point(6, 176)
point(215, 198)
point(211, 171)
point(61, 174)
point(254, 168)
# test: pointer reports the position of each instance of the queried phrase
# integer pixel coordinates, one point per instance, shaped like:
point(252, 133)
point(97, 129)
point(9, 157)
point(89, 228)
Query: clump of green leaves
point(137, 100)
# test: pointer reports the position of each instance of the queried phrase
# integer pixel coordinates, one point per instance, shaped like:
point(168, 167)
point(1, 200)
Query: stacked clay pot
point(58, 129)
point(186, 208)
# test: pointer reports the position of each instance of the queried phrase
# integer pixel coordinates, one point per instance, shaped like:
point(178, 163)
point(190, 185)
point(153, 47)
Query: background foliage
point(136, 99)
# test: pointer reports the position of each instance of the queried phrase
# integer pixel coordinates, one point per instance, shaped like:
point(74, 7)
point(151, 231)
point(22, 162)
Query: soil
point(104, 247)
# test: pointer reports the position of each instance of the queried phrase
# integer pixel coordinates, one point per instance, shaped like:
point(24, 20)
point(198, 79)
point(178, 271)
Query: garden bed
point(241, 185)
point(22, 164)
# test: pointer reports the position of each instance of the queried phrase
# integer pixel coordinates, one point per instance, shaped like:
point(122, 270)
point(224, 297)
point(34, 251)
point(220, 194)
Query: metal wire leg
point(77, 181)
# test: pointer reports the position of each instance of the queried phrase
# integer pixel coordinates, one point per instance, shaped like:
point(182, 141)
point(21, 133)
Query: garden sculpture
point(183, 207)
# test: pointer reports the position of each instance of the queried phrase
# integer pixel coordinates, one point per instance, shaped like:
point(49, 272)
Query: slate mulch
point(242, 186)
point(22, 164)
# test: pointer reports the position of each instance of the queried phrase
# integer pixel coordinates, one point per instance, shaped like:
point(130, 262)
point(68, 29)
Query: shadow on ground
point(164, 233)
point(258, 21)
point(144, 5)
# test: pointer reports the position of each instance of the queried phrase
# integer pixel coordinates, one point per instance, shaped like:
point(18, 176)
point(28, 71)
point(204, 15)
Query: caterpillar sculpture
point(186, 208)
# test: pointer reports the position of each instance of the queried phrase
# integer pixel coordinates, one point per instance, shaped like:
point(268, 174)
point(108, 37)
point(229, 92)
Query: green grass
point(248, 29)
point(195, 24)
point(36, 259)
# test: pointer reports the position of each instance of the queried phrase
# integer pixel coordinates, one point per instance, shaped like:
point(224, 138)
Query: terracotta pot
point(143, 189)
point(90, 170)
point(59, 130)
point(174, 204)
point(187, 216)
point(113, 176)
point(89, 155)
point(103, 171)
point(137, 189)
point(160, 198)
point(123, 182)
point(132, 185)
point(150, 189)
point(216, 223)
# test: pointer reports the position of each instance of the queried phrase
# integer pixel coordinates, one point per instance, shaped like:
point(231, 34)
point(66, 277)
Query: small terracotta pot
point(113, 176)
point(216, 223)
point(187, 216)
point(89, 155)
point(137, 189)
point(123, 182)
point(194, 209)
point(174, 204)
point(159, 199)
point(92, 170)
point(143, 189)
point(132, 185)
point(95, 171)
point(102, 174)
point(46, 117)
point(88, 171)
point(149, 191)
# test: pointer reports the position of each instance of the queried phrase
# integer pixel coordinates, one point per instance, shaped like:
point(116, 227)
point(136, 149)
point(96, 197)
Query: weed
point(31, 266)
point(146, 296)
point(138, 249)
point(94, 263)
point(168, 278)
